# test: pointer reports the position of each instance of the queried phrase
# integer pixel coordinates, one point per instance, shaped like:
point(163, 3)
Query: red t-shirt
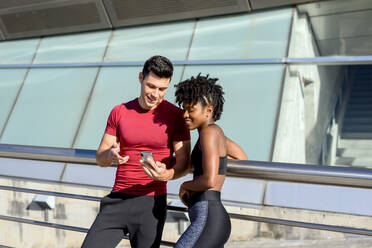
point(144, 130)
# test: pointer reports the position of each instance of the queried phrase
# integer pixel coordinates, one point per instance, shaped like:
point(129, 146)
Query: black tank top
point(197, 158)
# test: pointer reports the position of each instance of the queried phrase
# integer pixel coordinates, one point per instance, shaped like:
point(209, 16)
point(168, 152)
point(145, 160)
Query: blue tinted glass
point(84, 47)
point(49, 107)
point(18, 52)
point(10, 82)
point(251, 102)
point(139, 43)
point(114, 86)
point(253, 35)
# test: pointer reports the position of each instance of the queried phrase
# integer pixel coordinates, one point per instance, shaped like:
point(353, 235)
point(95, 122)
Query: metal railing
point(322, 60)
point(289, 172)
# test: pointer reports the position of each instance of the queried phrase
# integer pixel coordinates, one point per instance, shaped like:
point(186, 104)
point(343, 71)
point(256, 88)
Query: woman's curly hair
point(201, 89)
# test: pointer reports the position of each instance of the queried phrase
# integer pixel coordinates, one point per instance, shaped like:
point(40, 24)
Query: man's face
point(153, 89)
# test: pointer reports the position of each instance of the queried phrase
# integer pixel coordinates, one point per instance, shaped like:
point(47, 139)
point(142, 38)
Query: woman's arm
point(234, 151)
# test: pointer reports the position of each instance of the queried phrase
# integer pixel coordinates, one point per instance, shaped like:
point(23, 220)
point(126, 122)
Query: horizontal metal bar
point(68, 195)
point(140, 63)
point(330, 60)
point(52, 154)
point(52, 193)
point(301, 173)
point(72, 196)
point(60, 226)
point(42, 223)
point(323, 227)
point(325, 60)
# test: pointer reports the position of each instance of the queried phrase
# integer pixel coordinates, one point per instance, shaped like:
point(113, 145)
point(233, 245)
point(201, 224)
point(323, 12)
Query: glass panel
point(325, 116)
point(10, 82)
point(114, 86)
point(242, 36)
point(18, 52)
point(139, 43)
point(90, 175)
point(31, 169)
point(84, 47)
point(50, 107)
point(252, 98)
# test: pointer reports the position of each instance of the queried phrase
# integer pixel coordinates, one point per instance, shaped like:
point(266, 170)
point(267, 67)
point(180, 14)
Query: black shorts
point(142, 217)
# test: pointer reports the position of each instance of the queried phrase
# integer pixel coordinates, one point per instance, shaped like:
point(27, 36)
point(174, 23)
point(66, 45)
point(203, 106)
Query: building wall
point(308, 102)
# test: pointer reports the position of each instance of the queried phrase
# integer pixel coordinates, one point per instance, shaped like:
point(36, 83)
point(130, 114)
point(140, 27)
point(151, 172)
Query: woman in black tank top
point(202, 101)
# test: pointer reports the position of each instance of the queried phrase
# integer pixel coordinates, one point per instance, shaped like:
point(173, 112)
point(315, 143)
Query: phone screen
point(146, 155)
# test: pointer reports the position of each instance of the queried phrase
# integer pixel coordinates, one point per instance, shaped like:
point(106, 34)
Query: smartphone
point(146, 155)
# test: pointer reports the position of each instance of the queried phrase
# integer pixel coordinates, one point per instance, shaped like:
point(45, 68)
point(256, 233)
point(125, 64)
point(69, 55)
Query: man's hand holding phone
point(154, 169)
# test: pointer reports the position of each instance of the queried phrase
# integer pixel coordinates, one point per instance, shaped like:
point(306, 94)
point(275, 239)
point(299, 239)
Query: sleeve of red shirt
point(112, 122)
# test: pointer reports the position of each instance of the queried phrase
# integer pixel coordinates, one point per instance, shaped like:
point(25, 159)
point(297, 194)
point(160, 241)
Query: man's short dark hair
point(159, 65)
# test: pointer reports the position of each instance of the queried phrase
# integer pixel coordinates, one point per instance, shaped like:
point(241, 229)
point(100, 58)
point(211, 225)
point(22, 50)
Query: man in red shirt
point(137, 204)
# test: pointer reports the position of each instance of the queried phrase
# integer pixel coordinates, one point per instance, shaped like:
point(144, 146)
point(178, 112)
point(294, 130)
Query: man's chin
point(152, 105)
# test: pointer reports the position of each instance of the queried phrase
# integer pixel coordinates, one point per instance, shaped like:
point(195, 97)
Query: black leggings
point(143, 217)
point(210, 223)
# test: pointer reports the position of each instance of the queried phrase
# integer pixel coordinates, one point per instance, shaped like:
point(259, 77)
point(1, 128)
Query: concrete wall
point(309, 97)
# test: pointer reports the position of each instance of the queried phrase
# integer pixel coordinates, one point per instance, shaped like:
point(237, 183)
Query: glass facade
point(10, 83)
point(18, 52)
point(247, 36)
point(85, 47)
point(140, 43)
point(68, 106)
point(49, 107)
point(252, 95)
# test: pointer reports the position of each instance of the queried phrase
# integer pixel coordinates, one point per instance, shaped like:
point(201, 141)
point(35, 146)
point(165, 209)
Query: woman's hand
point(184, 195)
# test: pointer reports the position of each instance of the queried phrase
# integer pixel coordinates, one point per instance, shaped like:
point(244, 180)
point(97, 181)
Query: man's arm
point(108, 152)
point(234, 151)
point(158, 171)
point(182, 166)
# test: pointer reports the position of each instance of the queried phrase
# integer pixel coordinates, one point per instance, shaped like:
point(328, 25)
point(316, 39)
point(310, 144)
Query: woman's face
point(196, 115)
